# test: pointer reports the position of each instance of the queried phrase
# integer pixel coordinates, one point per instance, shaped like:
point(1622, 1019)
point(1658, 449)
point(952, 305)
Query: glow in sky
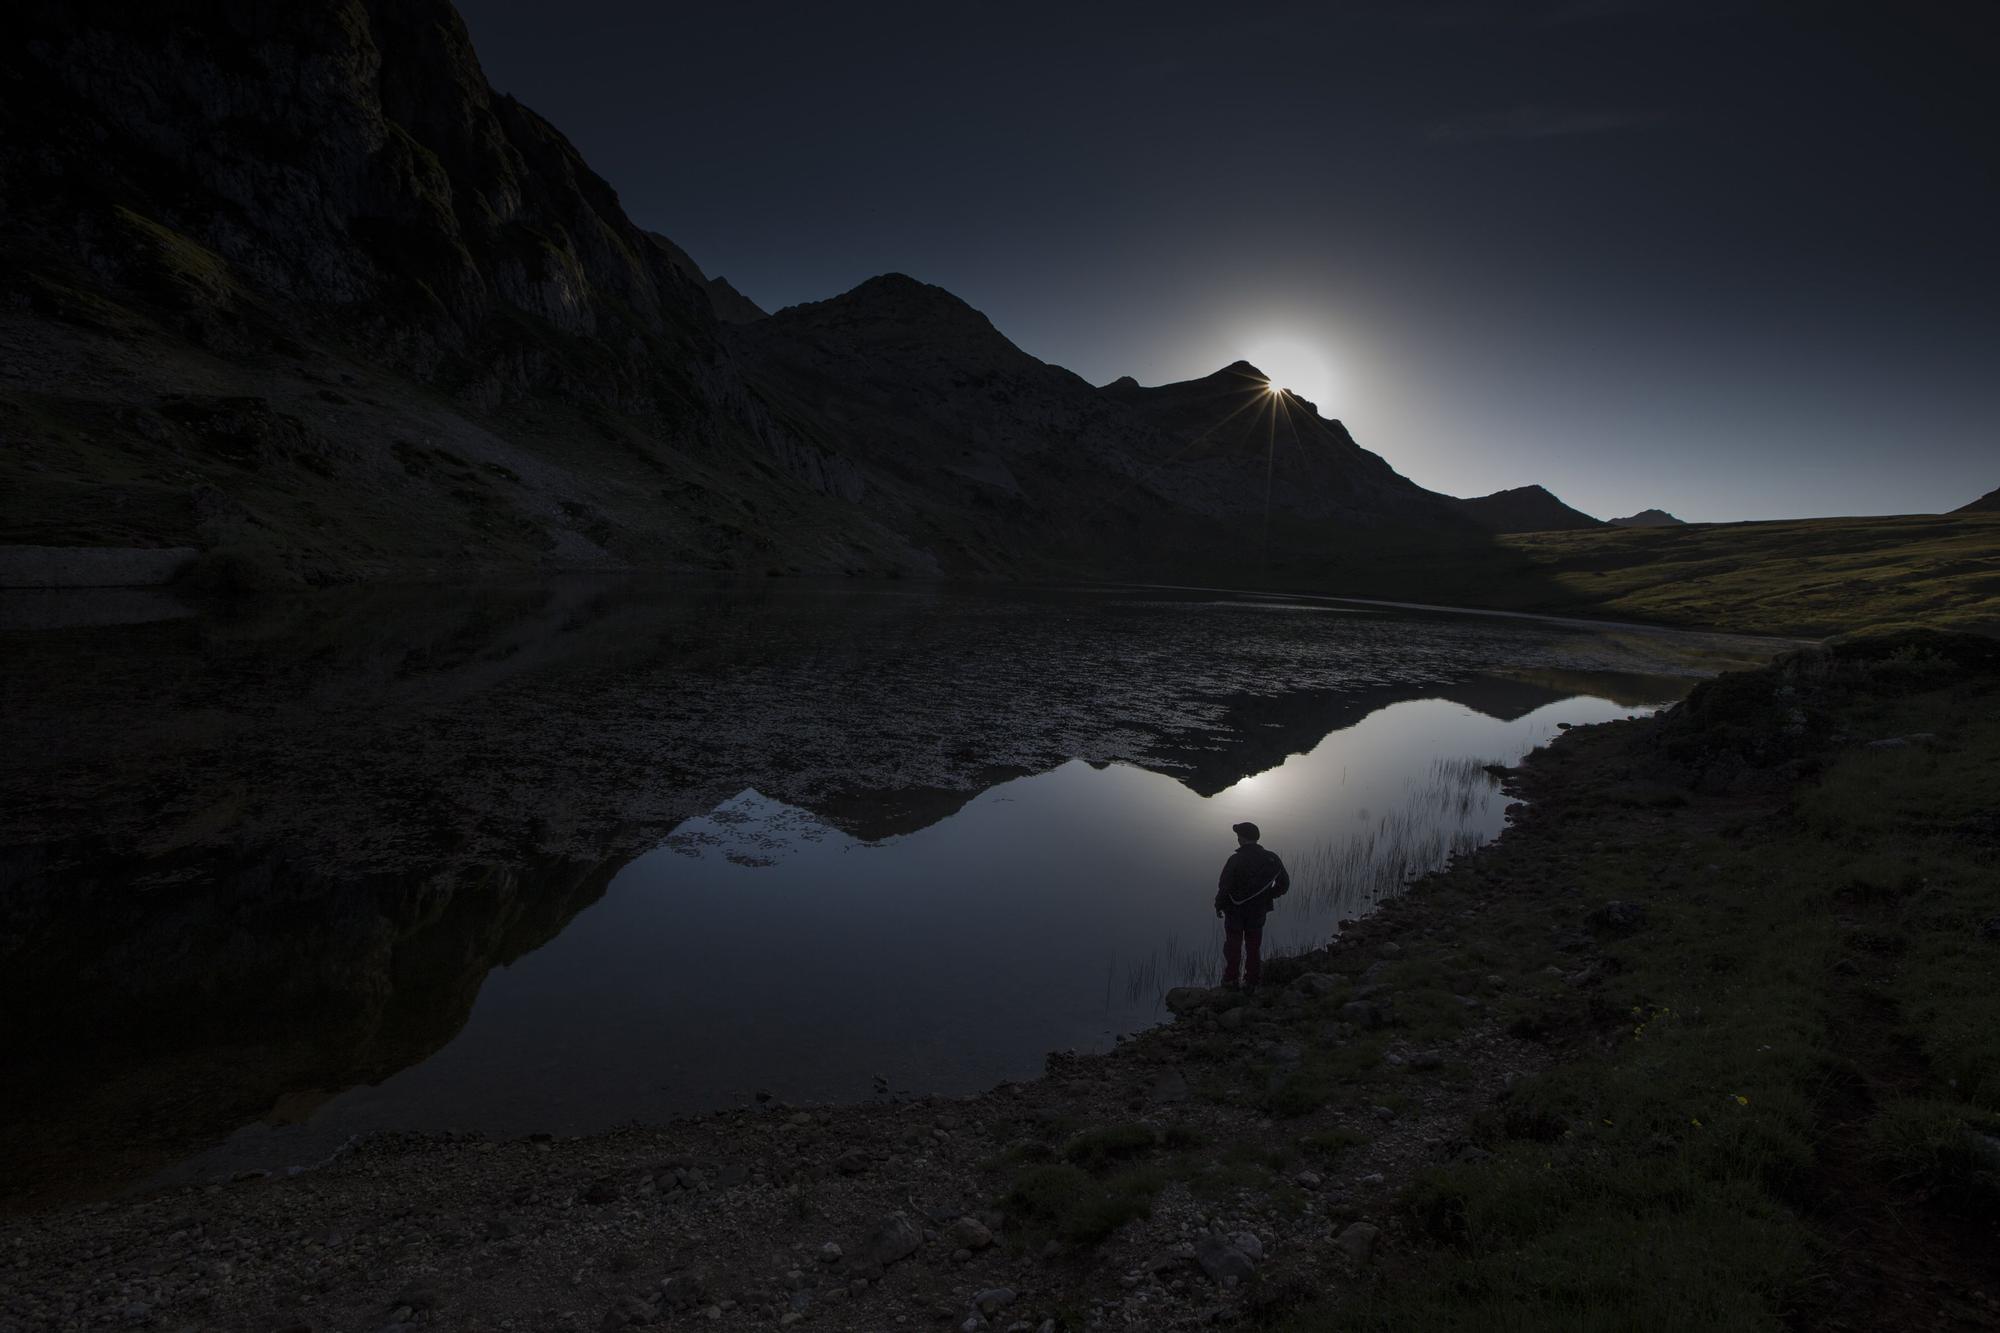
point(1734, 261)
point(1297, 365)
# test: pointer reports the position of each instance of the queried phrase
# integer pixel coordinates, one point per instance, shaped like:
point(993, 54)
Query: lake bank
point(561, 857)
point(1461, 1078)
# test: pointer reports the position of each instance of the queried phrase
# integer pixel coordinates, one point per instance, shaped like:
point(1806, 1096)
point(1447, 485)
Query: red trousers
point(1234, 963)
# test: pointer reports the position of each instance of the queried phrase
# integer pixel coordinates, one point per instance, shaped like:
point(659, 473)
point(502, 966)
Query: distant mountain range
point(293, 288)
point(1988, 503)
point(1649, 518)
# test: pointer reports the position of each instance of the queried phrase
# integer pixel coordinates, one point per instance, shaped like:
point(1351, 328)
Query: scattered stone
point(852, 1162)
point(1358, 1241)
point(993, 1300)
point(1362, 1013)
point(1307, 1180)
point(895, 1237)
point(1618, 918)
point(1169, 1088)
point(1187, 999)
point(829, 1253)
point(1247, 1242)
point(1234, 1020)
point(683, 1291)
point(1390, 949)
point(1316, 983)
point(1222, 1261)
point(968, 1233)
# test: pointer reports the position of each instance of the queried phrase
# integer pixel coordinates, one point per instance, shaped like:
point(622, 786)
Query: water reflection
point(259, 867)
point(761, 949)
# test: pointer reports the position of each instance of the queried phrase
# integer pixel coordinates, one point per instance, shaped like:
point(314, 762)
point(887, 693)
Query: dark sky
point(1736, 261)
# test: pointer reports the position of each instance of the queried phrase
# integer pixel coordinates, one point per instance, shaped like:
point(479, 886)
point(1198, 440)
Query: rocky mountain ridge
point(296, 289)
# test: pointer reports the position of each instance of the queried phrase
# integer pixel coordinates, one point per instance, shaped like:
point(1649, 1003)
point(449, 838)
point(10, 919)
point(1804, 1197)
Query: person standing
point(1252, 880)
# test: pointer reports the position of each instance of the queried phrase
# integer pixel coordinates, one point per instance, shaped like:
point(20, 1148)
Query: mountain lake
point(554, 857)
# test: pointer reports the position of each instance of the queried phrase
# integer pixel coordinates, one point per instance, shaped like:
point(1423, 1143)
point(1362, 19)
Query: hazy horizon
point(1718, 262)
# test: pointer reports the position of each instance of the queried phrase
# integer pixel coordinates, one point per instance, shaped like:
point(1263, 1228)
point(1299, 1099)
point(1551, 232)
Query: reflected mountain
point(250, 859)
point(160, 1020)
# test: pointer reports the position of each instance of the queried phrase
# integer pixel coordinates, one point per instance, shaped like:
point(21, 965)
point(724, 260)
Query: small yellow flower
point(1695, 1123)
point(1741, 1100)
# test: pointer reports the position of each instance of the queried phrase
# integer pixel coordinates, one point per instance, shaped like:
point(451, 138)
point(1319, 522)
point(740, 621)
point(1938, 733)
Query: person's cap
point(1245, 829)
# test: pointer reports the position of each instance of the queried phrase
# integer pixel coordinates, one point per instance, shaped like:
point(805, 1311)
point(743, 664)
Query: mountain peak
point(1526, 509)
point(1648, 518)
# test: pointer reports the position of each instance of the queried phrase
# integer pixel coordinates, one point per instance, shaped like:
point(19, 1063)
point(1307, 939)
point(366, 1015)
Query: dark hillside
point(1527, 509)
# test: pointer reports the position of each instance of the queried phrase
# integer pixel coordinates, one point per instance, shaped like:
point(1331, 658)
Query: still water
point(561, 860)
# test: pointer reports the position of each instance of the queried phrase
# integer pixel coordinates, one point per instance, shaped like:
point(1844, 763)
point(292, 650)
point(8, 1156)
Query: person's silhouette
point(1252, 879)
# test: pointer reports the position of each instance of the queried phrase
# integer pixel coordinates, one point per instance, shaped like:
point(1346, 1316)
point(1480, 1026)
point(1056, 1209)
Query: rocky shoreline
point(1592, 1033)
point(875, 1216)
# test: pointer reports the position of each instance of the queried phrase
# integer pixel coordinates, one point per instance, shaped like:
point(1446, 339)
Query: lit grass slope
point(1805, 1035)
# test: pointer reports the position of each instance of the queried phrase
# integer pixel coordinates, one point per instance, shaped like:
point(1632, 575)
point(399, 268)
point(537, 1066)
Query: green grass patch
point(1094, 1148)
point(1067, 1203)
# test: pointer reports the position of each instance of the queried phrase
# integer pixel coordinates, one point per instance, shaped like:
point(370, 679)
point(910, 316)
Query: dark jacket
point(1252, 879)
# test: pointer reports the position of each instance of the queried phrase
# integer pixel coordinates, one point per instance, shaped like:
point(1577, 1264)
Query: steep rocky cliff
point(292, 284)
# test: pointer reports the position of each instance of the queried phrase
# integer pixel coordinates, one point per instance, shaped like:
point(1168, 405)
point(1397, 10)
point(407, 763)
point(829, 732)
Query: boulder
point(1617, 918)
point(683, 1291)
point(1169, 1088)
point(968, 1233)
point(894, 1237)
point(993, 1300)
point(1188, 999)
point(1363, 1013)
point(1316, 983)
point(1357, 1242)
point(1222, 1261)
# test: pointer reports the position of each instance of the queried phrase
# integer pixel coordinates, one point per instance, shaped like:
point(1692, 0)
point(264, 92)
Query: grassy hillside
point(1779, 1087)
point(1805, 577)
point(1812, 576)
